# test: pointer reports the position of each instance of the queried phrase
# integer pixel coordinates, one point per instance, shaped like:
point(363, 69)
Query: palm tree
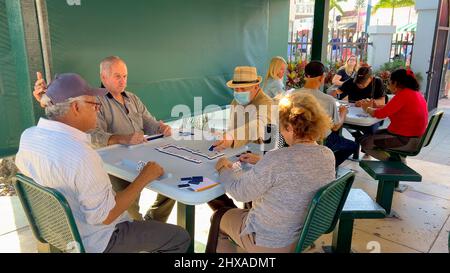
point(393, 4)
point(335, 4)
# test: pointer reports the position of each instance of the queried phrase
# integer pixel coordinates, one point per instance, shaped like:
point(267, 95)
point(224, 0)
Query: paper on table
point(206, 184)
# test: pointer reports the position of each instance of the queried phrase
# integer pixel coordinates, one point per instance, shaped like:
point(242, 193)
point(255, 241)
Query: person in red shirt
point(408, 113)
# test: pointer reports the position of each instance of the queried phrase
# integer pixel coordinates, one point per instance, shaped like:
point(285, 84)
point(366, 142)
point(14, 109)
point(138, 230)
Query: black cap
point(314, 69)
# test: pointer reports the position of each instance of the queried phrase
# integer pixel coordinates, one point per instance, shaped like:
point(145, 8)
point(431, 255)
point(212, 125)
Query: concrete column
point(380, 50)
point(423, 42)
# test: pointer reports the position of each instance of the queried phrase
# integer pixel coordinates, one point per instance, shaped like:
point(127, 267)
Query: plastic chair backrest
point(431, 129)
point(325, 210)
point(49, 215)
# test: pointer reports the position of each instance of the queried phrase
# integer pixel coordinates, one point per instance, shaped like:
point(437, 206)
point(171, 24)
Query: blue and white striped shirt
point(59, 156)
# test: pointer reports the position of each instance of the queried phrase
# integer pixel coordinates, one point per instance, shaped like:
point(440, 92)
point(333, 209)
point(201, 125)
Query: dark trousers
point(222, 201)
point(148, 236)
point(361, 131)
point(374, 144)
point(341, 147)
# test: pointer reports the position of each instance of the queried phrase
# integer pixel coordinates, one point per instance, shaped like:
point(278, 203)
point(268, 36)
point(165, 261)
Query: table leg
point(385, 194)
point(356, 153)
point(186, 219)
point(342, 236)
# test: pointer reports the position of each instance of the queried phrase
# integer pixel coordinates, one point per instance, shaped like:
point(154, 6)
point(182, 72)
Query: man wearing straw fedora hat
point(250, 110)
point(250, 115)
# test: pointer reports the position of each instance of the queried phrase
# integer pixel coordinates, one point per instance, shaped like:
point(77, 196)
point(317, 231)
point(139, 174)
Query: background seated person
point(408, 113)
point(314, 78)
point(344, 73)
point(364, 86)
point(246, 127)
point(273, 83)
point(281, 185)
point(250, 115)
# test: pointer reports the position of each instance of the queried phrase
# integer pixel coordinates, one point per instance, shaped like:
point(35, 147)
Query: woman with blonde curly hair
point(281, 184)
point(273, 83)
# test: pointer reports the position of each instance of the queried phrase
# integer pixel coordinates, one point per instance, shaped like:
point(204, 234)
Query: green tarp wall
point(17, 110)
point(175, 50)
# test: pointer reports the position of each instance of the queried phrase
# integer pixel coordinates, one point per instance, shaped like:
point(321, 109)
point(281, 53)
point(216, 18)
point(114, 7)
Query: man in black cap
point(315, 78)
point(57, 154)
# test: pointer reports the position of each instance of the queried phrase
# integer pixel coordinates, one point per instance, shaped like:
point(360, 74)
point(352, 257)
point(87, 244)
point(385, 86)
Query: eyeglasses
point(97, 105)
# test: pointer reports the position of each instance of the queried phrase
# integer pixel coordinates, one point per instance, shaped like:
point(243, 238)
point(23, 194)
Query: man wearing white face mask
point(250, 115)
point(250, 110)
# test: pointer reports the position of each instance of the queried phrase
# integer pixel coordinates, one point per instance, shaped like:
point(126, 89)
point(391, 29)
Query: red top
point(408, 113)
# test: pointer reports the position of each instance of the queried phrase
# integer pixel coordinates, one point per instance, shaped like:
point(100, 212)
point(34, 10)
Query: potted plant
point(296, 74)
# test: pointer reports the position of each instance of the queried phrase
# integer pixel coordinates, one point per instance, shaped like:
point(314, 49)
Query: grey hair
point(105, 65)
point(58, 110)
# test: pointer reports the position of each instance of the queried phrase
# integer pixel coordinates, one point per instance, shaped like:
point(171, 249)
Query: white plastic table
point(121, 161)
point(356, 116)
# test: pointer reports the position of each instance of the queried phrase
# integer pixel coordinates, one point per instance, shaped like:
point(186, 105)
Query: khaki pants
point(231, 226)
point(159, 211)
point(119, 185)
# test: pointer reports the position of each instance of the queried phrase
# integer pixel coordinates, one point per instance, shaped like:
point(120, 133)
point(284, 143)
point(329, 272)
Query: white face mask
point(243, 98)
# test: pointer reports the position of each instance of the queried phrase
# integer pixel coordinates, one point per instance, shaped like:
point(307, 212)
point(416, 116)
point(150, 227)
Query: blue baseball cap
point(71, 85)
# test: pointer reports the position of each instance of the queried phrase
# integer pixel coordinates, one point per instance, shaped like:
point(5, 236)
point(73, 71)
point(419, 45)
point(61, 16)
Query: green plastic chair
point(49, 215)
point(325, 210)
point(425, 140)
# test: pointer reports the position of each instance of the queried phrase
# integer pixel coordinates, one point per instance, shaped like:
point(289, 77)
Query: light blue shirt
point(274, 87)
point(59, 156)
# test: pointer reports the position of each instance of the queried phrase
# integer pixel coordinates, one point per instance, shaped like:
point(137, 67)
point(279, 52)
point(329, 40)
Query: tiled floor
point(422, 223)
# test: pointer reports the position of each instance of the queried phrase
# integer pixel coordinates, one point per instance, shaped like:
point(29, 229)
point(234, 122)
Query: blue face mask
point(243, 98)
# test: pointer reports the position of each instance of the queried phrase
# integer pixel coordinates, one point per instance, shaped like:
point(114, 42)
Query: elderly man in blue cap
point(123, 119)
point(57, 154)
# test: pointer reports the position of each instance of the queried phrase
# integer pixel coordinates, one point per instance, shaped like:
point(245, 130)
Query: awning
point(347, 26)
point(407, 28)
